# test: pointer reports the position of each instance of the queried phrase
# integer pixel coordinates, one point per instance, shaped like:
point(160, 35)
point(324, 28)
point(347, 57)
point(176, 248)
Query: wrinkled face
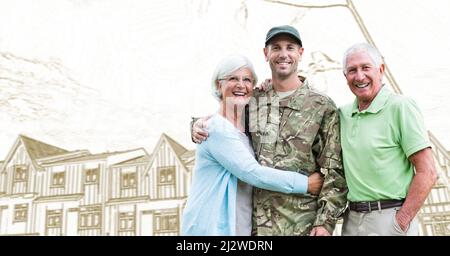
point(283, 54)
point(237, 88)
point(364, 78)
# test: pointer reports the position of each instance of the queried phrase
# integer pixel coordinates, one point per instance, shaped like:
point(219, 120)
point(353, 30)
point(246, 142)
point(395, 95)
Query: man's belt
point(374, 205)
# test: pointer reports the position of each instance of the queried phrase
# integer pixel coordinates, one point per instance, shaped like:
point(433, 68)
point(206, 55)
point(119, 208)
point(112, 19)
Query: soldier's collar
point(293, 101)
point(271, 91)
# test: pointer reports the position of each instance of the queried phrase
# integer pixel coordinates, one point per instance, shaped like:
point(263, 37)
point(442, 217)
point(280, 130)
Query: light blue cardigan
point(220, 161)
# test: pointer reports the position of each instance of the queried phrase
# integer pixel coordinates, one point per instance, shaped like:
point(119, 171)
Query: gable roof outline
point(38, 149)
point(176, 148)
point(34, 149)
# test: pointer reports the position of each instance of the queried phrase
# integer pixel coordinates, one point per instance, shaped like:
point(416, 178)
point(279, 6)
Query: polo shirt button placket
point(355, 125)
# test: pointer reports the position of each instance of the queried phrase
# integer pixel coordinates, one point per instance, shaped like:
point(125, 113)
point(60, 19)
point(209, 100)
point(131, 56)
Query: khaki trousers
point(376, 223)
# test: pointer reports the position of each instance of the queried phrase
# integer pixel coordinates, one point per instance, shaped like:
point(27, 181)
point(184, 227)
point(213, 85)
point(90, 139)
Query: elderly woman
point(220, 203)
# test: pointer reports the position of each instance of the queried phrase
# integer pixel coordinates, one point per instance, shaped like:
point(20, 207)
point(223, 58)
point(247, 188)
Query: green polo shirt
point(376, 144)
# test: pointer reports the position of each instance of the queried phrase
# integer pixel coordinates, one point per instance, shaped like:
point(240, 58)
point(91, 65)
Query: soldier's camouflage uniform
point(297, 133)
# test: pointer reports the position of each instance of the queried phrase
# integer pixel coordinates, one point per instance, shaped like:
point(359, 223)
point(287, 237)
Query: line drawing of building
point(46, 190)
point(434, 216)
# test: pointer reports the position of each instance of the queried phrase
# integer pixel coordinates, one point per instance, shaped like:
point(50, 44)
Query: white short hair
point(226, 67)
point(373, 53)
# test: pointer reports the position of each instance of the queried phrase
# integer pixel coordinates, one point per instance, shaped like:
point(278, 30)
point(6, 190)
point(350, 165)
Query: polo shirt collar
point(377, 104)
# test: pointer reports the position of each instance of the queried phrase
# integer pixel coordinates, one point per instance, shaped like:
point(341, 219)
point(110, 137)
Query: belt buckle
point(378, 206)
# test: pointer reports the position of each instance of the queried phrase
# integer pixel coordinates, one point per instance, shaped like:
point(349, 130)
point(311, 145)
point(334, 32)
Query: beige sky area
point(108, 75)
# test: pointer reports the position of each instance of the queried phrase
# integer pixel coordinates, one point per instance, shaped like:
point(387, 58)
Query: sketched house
point(434, 216)
point(147, 195)
point(46, 190)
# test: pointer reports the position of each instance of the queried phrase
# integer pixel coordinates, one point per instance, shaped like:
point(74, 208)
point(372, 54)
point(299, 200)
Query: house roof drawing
point(35, 149)
point(138, 160)
point(94, 157)
point(38, 149)
point(183, 155)
point(177, 148)
point(43, 154)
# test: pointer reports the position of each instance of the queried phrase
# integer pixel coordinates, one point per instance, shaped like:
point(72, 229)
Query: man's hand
point(403, 223)
point(420, 188)
point(319, 231)
point(264, 85)
point(199, 133)
point(315, 182)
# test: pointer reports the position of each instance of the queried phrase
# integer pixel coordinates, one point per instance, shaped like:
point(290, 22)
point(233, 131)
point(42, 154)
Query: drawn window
point(20, 173)
point(166, 175)
point(126, 221)
point(20, 212)
point(128, 180)
point(166, 221)
point(92, 175)
point(58, 179)
point(90, 218)
point(54, 218)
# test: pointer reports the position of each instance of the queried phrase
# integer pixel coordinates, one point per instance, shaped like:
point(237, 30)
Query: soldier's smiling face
point(283, 54)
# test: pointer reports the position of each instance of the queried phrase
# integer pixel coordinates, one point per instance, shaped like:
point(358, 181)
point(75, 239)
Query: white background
point(108, 75)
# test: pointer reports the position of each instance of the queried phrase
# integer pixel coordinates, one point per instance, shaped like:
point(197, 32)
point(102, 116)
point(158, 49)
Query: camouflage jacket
point(297, 133)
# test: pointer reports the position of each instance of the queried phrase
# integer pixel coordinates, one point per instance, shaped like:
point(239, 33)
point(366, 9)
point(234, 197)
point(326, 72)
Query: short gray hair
point(373, 53)
point(226, 67)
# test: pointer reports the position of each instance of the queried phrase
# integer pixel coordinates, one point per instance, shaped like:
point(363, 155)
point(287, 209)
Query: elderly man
point(387, 158)
point(294, 128)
